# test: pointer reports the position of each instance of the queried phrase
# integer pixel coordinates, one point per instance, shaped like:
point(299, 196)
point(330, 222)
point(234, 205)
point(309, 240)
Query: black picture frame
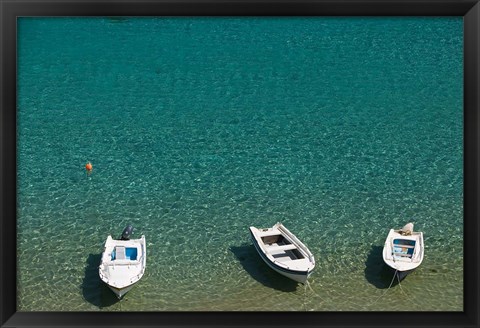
point(10, 10)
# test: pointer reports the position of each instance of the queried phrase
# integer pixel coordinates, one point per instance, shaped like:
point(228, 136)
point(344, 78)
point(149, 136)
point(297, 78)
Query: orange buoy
point(89, 167)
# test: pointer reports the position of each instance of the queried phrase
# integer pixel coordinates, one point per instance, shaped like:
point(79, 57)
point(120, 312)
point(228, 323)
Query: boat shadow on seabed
point(93, 289)
point(376, 271)
point(251, 262)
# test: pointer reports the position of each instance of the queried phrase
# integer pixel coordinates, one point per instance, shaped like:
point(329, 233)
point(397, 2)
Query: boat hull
point(120, 292)
point(299, 276)
point(402, 274)
point(123, 264)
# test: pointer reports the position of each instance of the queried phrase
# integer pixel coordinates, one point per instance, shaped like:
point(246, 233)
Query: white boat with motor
point(283, 252)
point(123, 262)
point(403, 250)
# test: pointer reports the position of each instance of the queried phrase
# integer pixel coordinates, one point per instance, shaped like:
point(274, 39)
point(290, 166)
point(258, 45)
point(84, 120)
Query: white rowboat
point(403, 250)
point(283, 252)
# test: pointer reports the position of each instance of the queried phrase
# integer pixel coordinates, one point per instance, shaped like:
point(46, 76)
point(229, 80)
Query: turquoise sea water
point(197, 128)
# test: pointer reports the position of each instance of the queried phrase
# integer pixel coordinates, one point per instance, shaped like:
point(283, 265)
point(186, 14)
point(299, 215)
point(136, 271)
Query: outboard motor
point(127, 233)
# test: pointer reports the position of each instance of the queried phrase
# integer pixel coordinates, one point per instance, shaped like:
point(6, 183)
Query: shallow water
point(197, 128)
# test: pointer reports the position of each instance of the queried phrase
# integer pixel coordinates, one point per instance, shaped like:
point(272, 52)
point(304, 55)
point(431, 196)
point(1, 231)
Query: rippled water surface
point(198, 128)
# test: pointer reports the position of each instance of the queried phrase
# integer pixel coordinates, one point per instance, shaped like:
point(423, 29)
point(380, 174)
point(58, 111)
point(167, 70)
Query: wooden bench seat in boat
point(122, 262)
point(269, 233)
point(403, 254)
point(120, 253)
point(281, 248)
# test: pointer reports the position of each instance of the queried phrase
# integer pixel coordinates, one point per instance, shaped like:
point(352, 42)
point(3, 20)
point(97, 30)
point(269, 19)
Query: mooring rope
point(307, 284)
point(391, 283)
point(401, 289)
point(310, 287)
point(305, 298)
point(403, 292)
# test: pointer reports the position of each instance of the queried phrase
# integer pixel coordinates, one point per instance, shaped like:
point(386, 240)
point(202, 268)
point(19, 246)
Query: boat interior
point(403, 247)
point(124, 253)
point(281, 248)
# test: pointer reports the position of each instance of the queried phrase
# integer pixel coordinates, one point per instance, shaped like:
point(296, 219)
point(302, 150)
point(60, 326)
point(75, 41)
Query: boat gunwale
point(297, 242)
point(275, 264)
point(280, 265)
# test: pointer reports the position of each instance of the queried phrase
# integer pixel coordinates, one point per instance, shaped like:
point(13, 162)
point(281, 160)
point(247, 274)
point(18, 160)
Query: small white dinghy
point(123, 262)
point(283, 252)
point(403, 250)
